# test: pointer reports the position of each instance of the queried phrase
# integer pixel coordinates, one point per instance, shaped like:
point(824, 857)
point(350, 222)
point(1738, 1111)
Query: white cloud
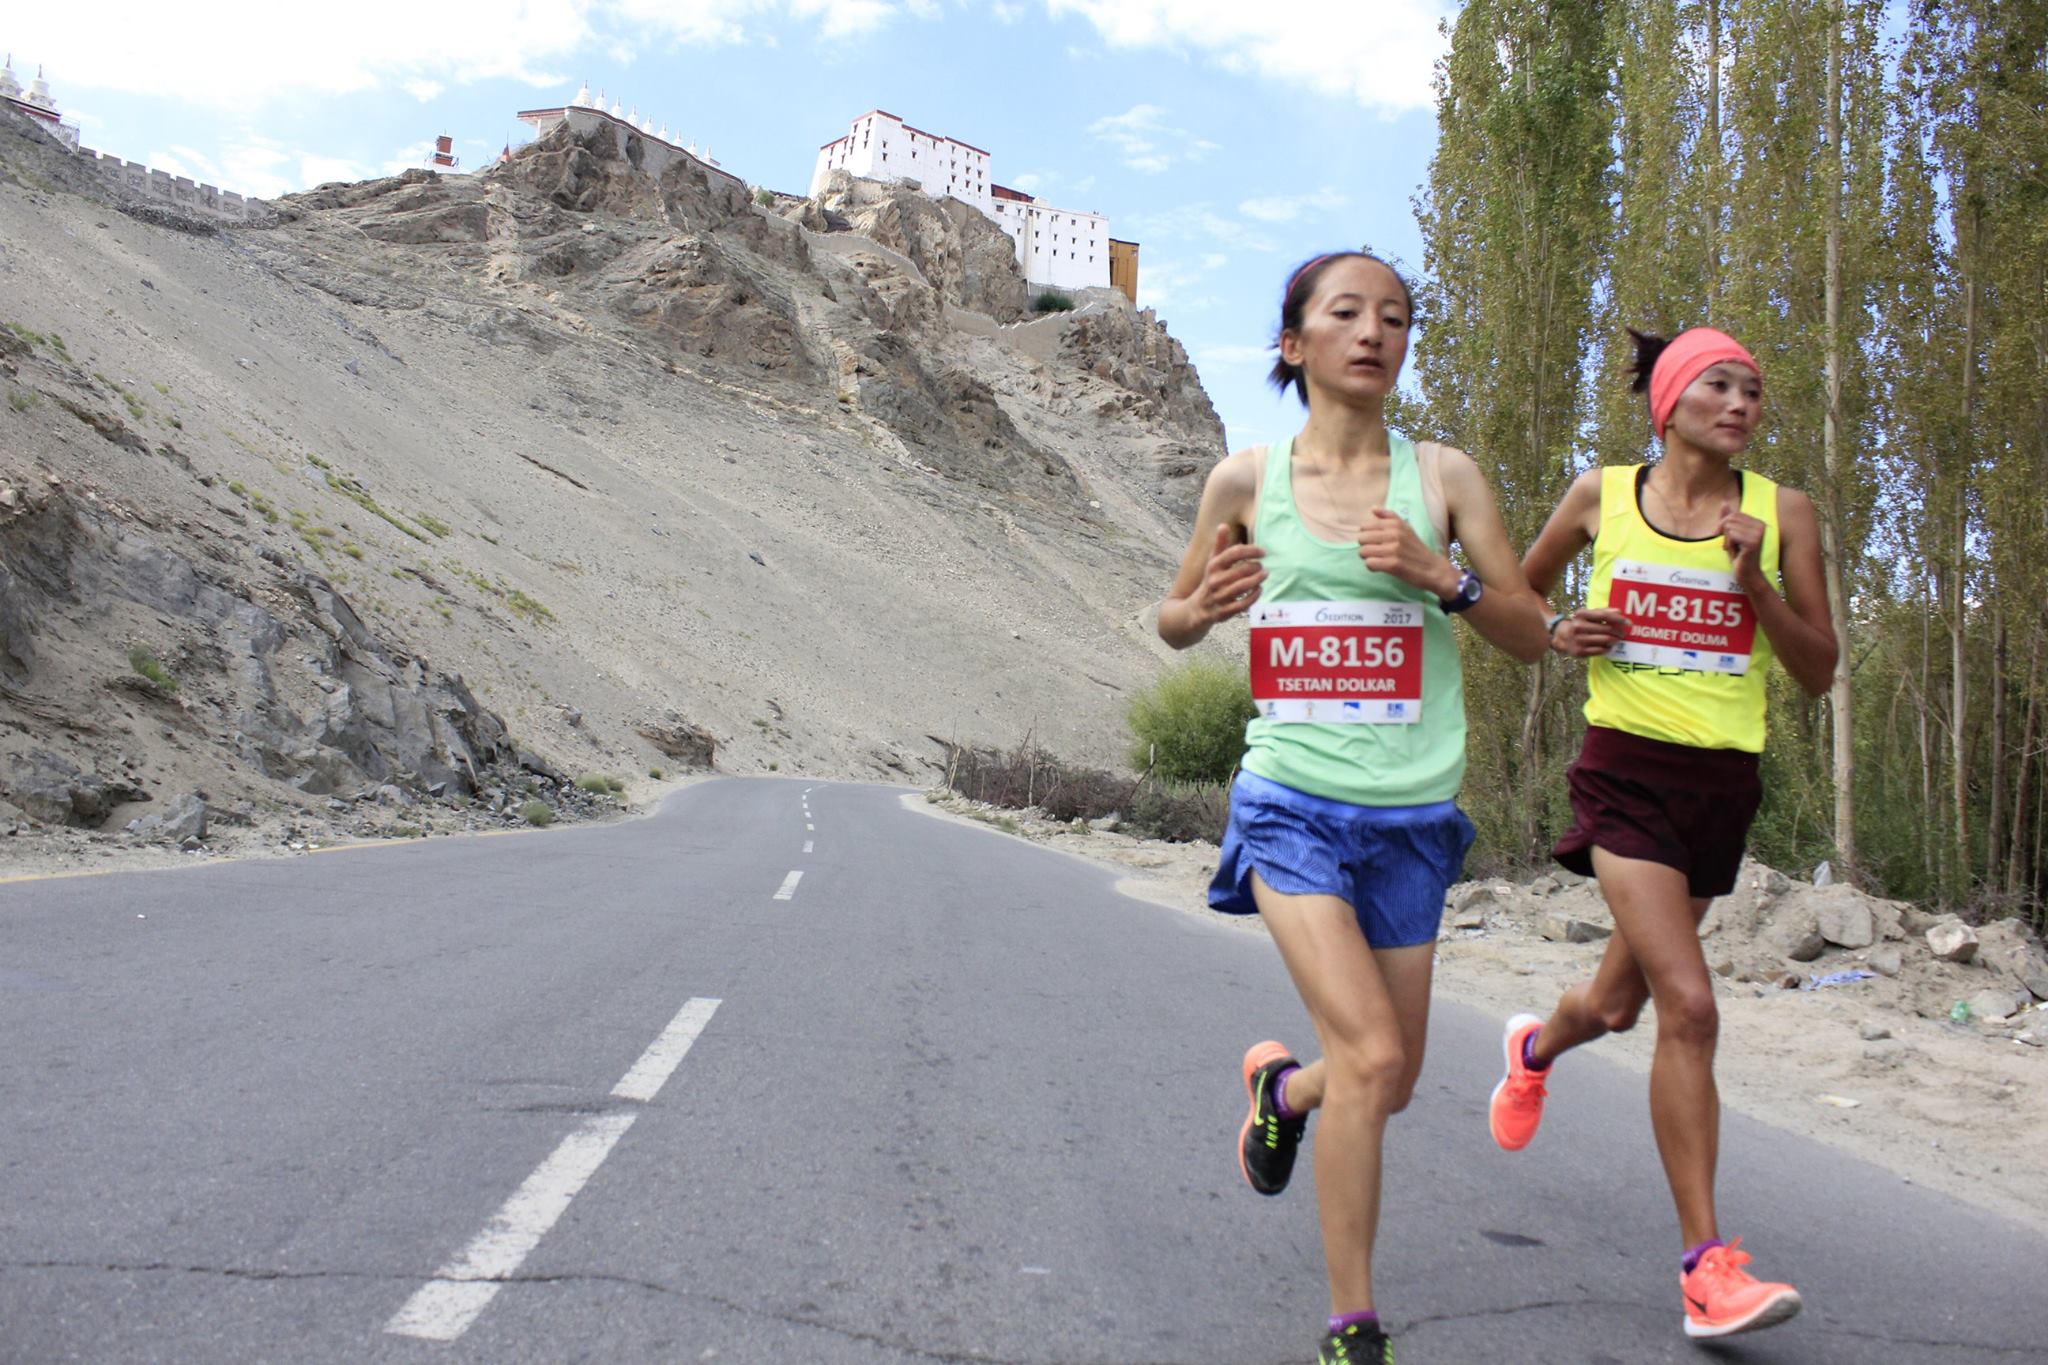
point(241, 54)
point(265, 168)
point(1197, 222)
point(405, 158)
point(1228, 357)
point(1006, 13)
point(1287, 208)
point(319, 170)
point(1381, 55)
point(1170, 282)
point(1147, 142)
point(1028, 182)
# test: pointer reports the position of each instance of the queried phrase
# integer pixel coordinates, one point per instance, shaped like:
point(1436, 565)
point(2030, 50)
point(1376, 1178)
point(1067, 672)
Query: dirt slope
point(462, 486)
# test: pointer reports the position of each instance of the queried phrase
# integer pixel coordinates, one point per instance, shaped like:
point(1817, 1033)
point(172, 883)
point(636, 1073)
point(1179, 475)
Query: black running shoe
point(1356, 1345)
point(1266, 1147)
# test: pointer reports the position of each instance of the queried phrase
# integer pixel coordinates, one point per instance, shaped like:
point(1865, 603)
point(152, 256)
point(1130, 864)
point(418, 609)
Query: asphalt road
point(638, 1093)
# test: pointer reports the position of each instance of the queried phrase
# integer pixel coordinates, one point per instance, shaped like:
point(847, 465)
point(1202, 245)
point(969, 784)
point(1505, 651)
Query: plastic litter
point(1837, 979)
point(1959, 1013)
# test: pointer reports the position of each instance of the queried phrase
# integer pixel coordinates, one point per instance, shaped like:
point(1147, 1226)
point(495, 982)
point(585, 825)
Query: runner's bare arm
point(1509, 614)
point(1571, 528)
point(1799, 625)
point(1220, 574)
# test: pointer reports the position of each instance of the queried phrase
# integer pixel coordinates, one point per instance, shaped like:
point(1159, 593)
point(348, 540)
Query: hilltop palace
point(1056, 248)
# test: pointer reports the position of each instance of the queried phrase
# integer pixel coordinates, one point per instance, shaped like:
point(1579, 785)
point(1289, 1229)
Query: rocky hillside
point(440, 491)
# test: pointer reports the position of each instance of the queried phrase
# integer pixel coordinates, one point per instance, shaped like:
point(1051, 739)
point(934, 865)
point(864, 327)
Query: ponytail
point(1648, 348)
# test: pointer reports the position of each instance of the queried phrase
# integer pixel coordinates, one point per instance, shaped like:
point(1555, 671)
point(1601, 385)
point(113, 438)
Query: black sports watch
point(1469, 591)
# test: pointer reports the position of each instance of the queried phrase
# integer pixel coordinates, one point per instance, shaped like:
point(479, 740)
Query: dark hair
point(1301, 287)
point(1648, 348)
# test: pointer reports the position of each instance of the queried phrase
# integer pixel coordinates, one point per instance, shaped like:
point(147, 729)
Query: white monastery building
point(1056, 248)
point(36, 103)
point(656, 149)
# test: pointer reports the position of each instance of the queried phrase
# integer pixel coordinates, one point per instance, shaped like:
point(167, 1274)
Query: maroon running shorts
point(1664, 803)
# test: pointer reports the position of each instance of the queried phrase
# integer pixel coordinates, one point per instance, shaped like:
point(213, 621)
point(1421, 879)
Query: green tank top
point(1355, 673)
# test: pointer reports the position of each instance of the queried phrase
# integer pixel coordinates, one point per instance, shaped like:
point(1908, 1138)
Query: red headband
point(1303, 269)
point(1690, 354)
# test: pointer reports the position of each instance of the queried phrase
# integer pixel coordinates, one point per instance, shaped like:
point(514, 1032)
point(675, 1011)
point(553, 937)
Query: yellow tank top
point(1692, 670)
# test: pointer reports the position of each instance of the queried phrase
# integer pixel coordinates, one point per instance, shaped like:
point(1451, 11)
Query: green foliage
point(433, 524)
point(1189, 725)
point(601, 784)
point(1052, 301)
point(137, 409)
point(355, 492)
point(537, 813)
point(655, 773)
point(147, 664)
point(311, 532)
point(21, 400)
point(765, 197)
point(257, 502)
point(527, 607)
point(1858, 192)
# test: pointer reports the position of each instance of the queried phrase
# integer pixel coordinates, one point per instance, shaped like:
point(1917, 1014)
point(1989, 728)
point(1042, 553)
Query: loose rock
point(1952, 941)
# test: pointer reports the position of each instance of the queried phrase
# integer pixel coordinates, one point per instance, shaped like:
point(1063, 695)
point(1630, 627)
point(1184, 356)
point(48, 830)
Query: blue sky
point(1229, 139)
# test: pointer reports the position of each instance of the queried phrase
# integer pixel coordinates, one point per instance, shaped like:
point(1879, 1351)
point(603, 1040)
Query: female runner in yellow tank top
point(1683, 614)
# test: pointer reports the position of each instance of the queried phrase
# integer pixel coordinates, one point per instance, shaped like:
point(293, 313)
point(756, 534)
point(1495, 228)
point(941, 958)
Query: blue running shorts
point(1390, 864)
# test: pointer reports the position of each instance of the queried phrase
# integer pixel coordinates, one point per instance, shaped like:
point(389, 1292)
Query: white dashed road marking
point(807, 844)
point(788, 887)
point(445, 1306)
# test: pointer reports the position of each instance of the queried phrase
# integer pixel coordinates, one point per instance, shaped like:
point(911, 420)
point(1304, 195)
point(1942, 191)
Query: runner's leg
point(1606, 1003)
point(1659, 920)
point(1366, 1007)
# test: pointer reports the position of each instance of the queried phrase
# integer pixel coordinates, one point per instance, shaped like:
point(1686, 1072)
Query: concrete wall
point(174, 190)
point(656, 156)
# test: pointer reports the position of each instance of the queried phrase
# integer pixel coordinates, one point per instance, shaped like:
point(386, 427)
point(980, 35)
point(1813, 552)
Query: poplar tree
point(1515, 229)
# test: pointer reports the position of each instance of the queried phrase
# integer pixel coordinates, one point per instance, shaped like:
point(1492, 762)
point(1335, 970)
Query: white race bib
point(1338, 663)
point(1695, 619)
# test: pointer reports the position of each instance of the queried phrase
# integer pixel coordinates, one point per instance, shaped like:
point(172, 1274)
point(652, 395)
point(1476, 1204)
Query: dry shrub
point(1029, 777)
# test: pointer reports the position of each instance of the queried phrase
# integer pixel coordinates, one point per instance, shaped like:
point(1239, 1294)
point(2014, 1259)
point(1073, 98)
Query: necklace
point(1682, 520)
point(1330, 499)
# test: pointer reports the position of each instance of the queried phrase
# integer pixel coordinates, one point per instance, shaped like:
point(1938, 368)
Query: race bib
point(1694, 619)
point(1338, 663)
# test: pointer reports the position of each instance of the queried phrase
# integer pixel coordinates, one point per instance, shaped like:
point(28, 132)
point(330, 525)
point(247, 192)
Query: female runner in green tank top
point(1344, 831)
point(1684, 612)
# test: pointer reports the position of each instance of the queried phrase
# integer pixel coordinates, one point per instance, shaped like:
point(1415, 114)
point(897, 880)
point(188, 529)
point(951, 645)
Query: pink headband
point(1305, 267)
point(1690, 355)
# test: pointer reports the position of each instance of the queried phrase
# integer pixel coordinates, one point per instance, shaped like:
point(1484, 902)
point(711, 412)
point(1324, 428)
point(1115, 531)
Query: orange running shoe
point(1267, 1143)
point(1721, 1298)
point(1517, 1104)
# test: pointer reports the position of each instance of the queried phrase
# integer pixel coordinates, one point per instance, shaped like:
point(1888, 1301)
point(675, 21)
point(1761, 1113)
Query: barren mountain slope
point(621, 453)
